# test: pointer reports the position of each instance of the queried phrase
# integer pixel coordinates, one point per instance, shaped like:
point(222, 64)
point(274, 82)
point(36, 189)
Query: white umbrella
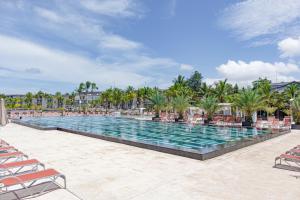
point(3, 118)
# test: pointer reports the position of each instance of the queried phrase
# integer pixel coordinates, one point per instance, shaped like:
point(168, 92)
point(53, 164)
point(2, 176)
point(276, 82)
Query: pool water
point(196, 138)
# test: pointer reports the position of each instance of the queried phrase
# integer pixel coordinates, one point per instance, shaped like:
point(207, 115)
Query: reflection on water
point(181, 136)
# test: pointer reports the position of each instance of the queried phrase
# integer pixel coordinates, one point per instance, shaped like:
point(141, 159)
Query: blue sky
point(55, 45)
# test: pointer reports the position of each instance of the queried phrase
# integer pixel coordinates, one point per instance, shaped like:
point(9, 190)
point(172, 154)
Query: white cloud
point(289, 47)
point(186, 67)
point(125, 8)
point(82, 28)
point(244, 73)
point(71, 43)
point(253, 18)
point(118, 42)
point(54, 65)
point(49, 15)
point(22, 59)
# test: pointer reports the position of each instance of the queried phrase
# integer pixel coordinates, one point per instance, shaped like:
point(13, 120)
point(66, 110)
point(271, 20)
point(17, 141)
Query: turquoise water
point(197, 138)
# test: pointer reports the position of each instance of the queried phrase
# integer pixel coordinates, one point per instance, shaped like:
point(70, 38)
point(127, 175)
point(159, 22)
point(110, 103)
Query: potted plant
point(210, 105)
point(248, 101)
point(158, 102)
point(180, 105)
point(295, 111)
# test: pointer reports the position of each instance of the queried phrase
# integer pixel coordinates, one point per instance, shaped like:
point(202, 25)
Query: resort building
point(85, 98)
point(43, 102)
point(225, 108)
point(15, 96)
point(280, 87)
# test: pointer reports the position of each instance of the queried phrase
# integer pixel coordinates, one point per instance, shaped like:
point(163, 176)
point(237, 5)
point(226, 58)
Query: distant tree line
point(183, 92)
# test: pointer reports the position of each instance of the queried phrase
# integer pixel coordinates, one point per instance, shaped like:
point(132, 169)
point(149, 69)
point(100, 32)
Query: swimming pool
point(183, 137)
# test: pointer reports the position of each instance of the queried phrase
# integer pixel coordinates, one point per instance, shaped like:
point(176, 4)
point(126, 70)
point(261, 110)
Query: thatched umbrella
point(3, 117)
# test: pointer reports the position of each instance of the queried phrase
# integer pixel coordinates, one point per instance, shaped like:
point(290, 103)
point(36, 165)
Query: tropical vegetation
point(210, 105)
point(182, 93)
point(158, 102)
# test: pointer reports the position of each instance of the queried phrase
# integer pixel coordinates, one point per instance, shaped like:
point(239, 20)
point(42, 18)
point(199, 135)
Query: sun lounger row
point(290, 158)
point(21, 177)
point(273, 123)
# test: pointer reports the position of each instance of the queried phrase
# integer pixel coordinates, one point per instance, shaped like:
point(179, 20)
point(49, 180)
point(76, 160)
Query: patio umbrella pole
point(3, 117)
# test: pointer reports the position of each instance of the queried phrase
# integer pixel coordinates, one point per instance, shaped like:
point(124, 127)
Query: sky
point(54, 45)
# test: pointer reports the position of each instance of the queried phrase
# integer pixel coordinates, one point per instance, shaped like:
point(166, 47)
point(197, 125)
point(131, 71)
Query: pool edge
point(178, 152)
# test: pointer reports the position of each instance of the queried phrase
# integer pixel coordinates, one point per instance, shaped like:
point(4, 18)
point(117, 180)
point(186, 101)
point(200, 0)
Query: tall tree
point(180, 80)
point(60, 99)
point(259, 82)
point(130, 95)
point(195, 81)
point(143, 94)
point(28, 100)
point(94, 87)
point(179, 90)
point(296, 109)
point(49, 99)
point(221, 90)
point(70, 101)
point(39, 98)
point(106, 98)
point(88, 85)
point(117, 96)
point(81, 88)
point(236, 89)
point(292, 91)
point(205, 90)
point(264, 89)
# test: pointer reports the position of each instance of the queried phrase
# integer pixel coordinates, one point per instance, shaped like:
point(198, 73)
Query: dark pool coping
point(179, 152)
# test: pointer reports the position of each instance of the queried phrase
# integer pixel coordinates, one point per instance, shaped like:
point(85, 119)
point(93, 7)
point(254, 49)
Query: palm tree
point(158, 101)
point(261, 81)
point(205, 90)
point(180, 80)
point(87, 87)
point(39, 99)
point(117, 95)
point(106, 98)
point(210, 105)
point(60, 99)
point(94, 87)
point(296, 109)
point(143, 94)
point(264, 89)
point(49, 99)
point(221, 90)
point(180, 105)
point(81, 88)
point(291, 91)
point(179, 90)
point(10, 103)
point(249, 101)
point(71, 99)
point(130, 95)
point(28, 100)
